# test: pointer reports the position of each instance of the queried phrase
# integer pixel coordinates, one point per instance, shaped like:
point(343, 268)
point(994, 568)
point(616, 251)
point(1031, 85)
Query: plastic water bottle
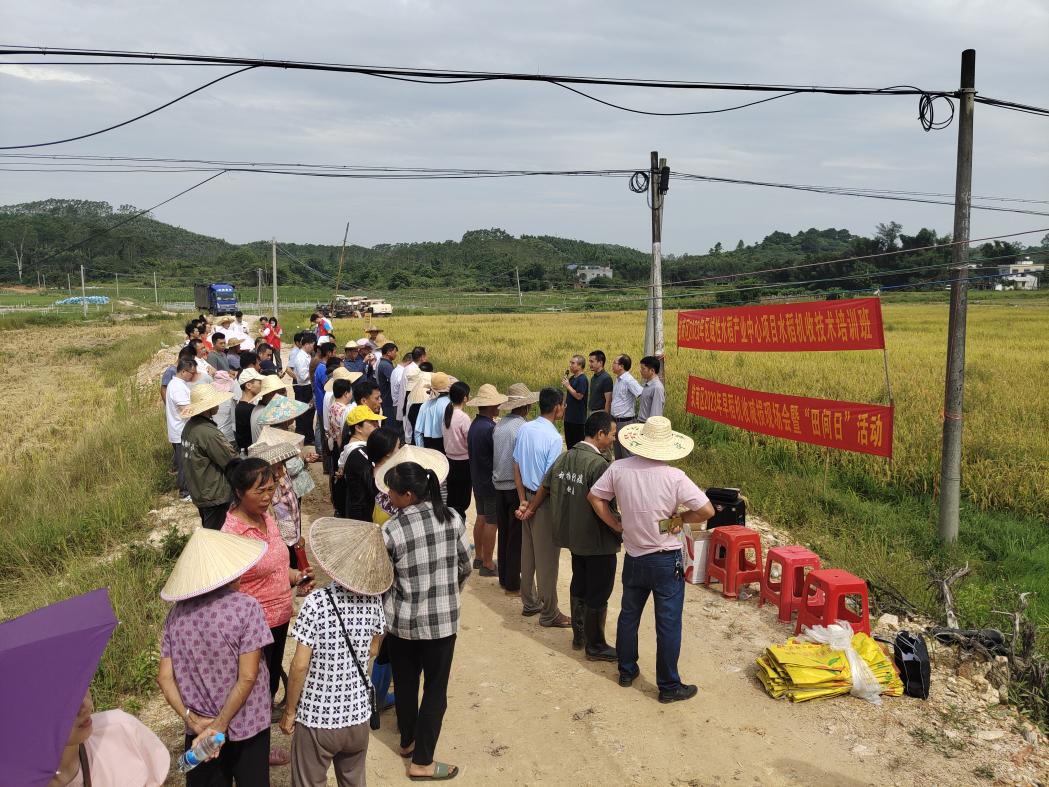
point(199, 753)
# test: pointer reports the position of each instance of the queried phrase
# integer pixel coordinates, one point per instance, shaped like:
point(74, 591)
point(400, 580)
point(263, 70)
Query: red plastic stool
point(786, 592)
point(728, 561)
point(823, 600)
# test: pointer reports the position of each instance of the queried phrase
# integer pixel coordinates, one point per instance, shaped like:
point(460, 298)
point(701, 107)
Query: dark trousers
point(509, 551)
point(214, 517)
point(421, 722)
point(459, 486)
point(436, 443)
point(244, 763)
point(574, 433)
point(593, 577)
point(274, 656)
point(618, 450)
point(304, 423)
point(655, 574)
point(180, 471)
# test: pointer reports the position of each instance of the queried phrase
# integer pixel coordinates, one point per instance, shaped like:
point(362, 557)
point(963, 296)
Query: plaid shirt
point(431, 562)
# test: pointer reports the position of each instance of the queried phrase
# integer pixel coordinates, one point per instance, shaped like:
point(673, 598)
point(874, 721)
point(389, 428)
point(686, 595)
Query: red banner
point(863, 428)
point(789, 327)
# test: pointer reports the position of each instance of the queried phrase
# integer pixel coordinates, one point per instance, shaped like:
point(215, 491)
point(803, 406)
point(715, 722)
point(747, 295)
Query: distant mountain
point(56, 236)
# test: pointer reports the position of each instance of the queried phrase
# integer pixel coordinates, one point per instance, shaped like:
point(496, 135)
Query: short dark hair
point(217, 336)
point(194, 343)
point(549, 398)
point(418, 352)
point(340, 387)
point(598, 356)
point(190, 327)
point(599, 421)
point(185, 363)
point(314, 316)
point(426, 366)
point(238, 315)
point(362, 389)
point(308, 338)
point(652, 362)
point(189, 351)
point(248, 358)
point(387, 347)
point(407, 356)
point(625, 362)
point(324, 350)
point(263, 347)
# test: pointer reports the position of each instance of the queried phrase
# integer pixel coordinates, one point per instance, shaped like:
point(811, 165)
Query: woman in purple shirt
point(211, 671)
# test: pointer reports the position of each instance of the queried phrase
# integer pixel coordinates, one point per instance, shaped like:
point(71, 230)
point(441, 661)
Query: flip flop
point(442, 771)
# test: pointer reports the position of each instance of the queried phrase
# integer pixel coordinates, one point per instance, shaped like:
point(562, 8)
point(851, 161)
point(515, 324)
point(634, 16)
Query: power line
point(131, 120)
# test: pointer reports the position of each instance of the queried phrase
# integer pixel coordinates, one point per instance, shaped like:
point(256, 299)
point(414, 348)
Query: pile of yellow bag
point(810, 671)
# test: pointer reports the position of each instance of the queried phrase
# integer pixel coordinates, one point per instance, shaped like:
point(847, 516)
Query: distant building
point(587, 273)
point(1020, 275)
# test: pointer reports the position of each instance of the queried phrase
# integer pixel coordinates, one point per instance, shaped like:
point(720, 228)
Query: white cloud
point(44, 74)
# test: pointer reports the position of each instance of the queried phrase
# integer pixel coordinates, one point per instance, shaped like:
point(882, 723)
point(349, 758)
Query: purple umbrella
point(47, 660)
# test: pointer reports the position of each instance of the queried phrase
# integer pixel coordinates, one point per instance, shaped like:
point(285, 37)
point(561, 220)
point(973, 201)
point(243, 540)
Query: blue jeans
point(653, 574)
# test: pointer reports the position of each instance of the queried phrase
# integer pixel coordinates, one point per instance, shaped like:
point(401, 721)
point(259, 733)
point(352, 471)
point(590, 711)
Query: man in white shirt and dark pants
point(176, 398)
point(624, 397)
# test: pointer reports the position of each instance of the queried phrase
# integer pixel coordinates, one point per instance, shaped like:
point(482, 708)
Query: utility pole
point(517, 276)
point(69, 285)
point(954, 388)
point(338, 276)
point(156, 298)
point(258, 298)
point(83, 291)
point(117, 276)
point(274, 278)
point(658, 184)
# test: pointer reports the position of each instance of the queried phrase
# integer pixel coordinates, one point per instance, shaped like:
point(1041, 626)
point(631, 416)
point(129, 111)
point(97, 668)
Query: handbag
point(373, 706)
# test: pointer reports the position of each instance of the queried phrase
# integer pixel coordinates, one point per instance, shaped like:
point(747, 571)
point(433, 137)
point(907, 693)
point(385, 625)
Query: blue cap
point(220, 737)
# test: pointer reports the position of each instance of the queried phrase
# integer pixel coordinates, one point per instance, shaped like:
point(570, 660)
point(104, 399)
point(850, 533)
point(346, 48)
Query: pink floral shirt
point(268, 579)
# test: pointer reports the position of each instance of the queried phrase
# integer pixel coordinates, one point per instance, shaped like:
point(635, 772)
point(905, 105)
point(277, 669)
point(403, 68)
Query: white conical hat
point(352, 553)
point(210, 560)
point(427, 458)
point(654, 439)
point(271, 434)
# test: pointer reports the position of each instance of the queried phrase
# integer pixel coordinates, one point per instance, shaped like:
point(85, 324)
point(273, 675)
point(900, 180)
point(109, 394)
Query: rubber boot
point(578, 636)
point(381, 676)
point(596, 647)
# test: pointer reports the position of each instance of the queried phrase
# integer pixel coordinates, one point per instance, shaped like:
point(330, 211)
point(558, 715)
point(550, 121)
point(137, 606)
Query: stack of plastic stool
point(823, 600)
point(786, 593)
point(728, 561)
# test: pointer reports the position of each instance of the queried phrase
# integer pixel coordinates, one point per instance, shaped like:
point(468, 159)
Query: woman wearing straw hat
point(211, 669)
point(648, 491)
point(272, 387)
point(286, 505)
point(428, 431)
point(205, 455)
point(480, 446)
point(329, 702)
point(431, 557)
point(272, 579)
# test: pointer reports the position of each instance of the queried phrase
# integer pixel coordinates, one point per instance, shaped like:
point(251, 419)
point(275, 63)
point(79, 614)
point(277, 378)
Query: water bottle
point(199, 753)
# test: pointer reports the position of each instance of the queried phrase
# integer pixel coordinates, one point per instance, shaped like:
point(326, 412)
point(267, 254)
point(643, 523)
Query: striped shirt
point(504, 438)
point(431, 562)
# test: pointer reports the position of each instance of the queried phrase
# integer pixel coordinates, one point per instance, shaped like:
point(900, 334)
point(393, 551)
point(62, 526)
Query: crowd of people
point(405, 451)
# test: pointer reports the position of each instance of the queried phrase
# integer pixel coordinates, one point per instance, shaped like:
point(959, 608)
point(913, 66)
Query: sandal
point(279, 757)
point(441, 772)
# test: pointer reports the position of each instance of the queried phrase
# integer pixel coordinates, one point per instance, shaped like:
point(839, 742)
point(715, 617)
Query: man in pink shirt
point(648, 491)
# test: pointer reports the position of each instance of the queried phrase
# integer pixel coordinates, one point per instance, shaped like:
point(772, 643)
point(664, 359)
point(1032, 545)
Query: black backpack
point(912, 660)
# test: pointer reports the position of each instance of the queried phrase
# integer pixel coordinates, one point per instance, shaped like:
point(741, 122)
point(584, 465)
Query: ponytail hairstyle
point(411, 477)
point(457, 394)
point(243, 474)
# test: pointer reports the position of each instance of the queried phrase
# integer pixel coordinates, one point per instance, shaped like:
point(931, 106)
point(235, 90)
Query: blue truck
point(218, 298)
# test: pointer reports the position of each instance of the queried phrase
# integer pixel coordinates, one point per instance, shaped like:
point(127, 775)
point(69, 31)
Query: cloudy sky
point(870, 142)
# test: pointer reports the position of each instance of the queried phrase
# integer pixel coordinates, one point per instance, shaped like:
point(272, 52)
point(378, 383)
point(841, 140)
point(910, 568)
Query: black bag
point(729, 507)
point(373, 705)
point(912, 660)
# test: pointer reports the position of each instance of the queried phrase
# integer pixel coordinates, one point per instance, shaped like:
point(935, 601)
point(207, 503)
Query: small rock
point(972, 669)
point(1031, 736)
point(990, 735)
point(952, 734)
point(861, 751)
point(1003, 695)
point(991, 696)
point(888, 621)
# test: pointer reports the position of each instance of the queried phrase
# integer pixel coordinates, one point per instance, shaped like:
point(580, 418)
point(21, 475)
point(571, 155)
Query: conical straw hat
point(421, 390)
point(352, 553)
point(518, 395)
point(281, 409)
point(342, 373)
point(427, 458)
point(202, 397)
point(273, 435)
point(654, 439)
point(210, 560)
point(271, 383)
point(487, 396)
point(272, 453)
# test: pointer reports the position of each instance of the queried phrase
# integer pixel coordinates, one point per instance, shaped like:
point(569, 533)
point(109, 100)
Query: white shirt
point(299, 361)
point(397, 388)
point(329, 397)
point(176, 398)
point(224, 418)
point(333, 696)
point(624, 395)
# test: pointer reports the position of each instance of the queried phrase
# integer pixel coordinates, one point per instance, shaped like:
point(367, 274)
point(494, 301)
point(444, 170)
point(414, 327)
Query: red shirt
point(267, 581)
point(272, 336)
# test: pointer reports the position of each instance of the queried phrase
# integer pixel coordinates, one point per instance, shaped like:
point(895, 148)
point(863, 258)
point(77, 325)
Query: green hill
point(56, 236)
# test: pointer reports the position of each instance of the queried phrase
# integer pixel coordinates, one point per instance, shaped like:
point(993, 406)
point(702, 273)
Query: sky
point(286, 116)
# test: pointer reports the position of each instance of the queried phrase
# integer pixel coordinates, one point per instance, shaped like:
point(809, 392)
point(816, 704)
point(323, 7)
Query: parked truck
point(218, 298)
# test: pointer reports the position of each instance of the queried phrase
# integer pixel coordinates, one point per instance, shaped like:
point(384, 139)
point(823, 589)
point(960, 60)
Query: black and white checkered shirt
point(431, 562)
